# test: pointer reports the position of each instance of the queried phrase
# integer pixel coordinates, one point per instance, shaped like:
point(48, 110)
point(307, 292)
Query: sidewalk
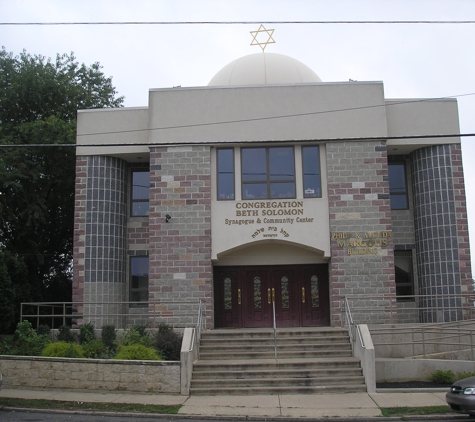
point(353, 405)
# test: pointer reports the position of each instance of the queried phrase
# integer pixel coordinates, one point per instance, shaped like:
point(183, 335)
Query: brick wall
point(180, 250)
point(90, 374)
point(358, 193)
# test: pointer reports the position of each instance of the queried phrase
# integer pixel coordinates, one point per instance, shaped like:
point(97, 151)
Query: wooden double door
point(246, 297)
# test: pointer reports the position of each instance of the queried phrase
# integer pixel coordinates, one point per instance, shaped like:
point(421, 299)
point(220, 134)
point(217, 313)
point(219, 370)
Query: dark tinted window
point(311, 172)
point(140, 192)
point(397, 186)
point(225, 164)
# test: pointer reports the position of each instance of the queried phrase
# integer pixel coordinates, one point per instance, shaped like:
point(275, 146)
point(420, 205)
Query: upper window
point(311, 172)
point(225, 164)
point(140, 192)
point(139, 279)
point(268, 173)
point(398, 186)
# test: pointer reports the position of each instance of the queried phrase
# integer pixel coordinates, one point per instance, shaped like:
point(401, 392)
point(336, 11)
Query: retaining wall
point(90, 374)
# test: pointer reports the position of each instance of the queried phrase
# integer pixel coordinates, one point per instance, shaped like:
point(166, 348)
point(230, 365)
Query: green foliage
point(108, 336)
point(39, 98)
point(63, 349)
point(27, 342)
point(168, 342)
point(136, 334)
point(137, 352)
point(442, 377)
point(65, 334)
point(96, 349)
point(43, 330)
point(86, 333)
point(462, 375)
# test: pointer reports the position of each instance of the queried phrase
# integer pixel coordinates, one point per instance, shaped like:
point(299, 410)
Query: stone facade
point(359, 207)
point(90, 374)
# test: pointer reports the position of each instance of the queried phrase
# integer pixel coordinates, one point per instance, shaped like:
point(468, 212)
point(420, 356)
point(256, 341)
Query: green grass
point(102, 407)
point(415, 411)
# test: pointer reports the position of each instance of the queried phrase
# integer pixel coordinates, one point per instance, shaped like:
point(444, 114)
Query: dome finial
point(263, 45)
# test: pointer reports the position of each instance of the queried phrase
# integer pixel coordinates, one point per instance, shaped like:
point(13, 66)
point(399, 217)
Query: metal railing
point(427, 324)
point(430, 308)
point(121, 314)
point(426, 340)
point(352, 327)
point(198, 329)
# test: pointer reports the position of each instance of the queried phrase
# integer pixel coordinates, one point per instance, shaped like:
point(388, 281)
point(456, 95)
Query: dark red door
point(227, 297)
point(246, 296)
point(315, 300)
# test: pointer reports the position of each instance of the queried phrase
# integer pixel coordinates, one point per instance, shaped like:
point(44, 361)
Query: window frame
point(219, 195)
point(133, 199)
point(138, 289)
point(409, 255)
point(268, 181)
point(404, 193)
point(304, 194)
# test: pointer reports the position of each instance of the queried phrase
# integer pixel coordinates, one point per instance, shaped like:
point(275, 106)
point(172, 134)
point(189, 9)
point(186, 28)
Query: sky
point(413, 60)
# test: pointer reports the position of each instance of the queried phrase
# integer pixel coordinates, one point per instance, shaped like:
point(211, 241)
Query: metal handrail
point(198, 328)
point(154, 311)
point(351, 325)
point(275, 331)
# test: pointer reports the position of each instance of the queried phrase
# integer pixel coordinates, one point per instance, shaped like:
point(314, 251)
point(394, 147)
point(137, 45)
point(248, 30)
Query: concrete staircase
point(309, 361)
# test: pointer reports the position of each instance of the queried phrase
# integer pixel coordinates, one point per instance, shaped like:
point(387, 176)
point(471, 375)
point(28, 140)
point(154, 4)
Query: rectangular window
point(140, 192)
point(404, 275)
point(268, 173)
point(311, 172)
point(398, 186)
point(225, 164)
point(139, 279)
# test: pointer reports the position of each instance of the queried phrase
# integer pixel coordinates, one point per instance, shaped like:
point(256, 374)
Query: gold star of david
point(263, 45)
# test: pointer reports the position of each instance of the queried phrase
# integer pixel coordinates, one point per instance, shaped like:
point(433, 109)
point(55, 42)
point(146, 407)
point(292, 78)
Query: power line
point(378, 22)
point(153, 144)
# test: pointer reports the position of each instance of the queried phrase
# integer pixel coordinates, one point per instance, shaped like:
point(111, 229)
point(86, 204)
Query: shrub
point(137, 352)
point(442, 377)
point(86, 333)
point(96, 349)
point(136, 334)
point(65, 334)
point(63, 349)
point(108, 336)
point(462, 375)
point(43, 330)
point(27, 342)
point(168, 342)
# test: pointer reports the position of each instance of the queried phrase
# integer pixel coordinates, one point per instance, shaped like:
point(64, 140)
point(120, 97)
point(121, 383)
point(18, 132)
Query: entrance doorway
point(244, 297)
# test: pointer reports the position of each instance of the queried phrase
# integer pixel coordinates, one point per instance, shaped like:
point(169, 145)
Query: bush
point(63, 349)
point(65, 334)
point(108, 336)
point(442, 377)
point(136, 334)
point(137, 352)
point(43, 330)
point(96, 349)
point(168, 342)
point(27, 342)
point(462, 375)
point(86, 333)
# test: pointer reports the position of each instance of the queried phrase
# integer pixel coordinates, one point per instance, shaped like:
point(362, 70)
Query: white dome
point(264, 68)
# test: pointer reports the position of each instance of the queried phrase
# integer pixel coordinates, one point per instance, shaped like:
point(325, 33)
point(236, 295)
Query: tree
point(39, 99)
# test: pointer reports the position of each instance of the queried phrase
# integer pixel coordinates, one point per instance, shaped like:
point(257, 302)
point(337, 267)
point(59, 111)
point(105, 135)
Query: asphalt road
point(22, 416)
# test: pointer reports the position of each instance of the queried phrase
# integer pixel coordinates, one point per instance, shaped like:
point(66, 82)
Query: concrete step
point(276, 365)
point(276, 382)
point(309, 361)
point(282, 373)
point(253, 354)
point(323, 389)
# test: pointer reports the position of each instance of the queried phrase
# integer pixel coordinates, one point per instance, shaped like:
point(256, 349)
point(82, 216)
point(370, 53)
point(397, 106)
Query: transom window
point(267, 172)
point(140, 193)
